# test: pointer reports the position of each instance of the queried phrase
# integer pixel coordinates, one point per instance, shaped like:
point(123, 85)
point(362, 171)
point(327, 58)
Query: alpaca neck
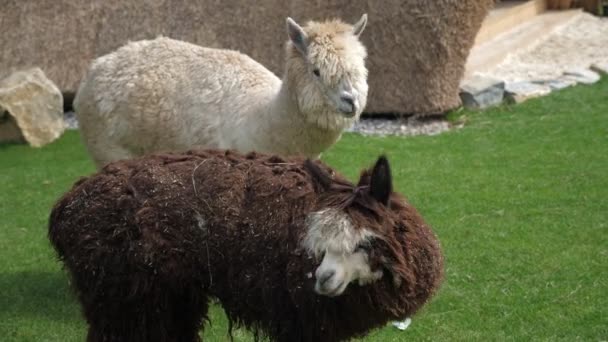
point(294, 131)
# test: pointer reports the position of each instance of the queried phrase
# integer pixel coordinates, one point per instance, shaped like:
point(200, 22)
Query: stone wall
point(417, 48)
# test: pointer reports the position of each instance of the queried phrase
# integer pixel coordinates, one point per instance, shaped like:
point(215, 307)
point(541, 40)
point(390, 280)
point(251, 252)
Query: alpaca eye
point(316, 72)
point(363, 247)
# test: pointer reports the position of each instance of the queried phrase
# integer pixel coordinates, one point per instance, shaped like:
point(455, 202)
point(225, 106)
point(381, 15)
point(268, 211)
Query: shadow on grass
point(39, 297)
point(37, 294)
point(9, 144)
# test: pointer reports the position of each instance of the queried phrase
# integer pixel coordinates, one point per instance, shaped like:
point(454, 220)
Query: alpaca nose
point(325, 277)
point(348, 99)
point(348, 107)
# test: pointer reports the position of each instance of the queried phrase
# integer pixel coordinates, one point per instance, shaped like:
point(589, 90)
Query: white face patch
point(343, 83)
point(332, 235)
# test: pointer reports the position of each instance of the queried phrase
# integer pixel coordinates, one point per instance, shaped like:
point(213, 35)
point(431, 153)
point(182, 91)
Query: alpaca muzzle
point(348, 105)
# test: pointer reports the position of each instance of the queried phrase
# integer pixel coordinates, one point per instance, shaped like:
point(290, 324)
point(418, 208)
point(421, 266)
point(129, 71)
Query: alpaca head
point(325, 71)
point(359, 235)
point(344, 251)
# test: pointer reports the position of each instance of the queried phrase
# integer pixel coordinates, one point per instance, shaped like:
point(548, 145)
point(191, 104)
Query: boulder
point(518, 92)
point(481, 92)
point(32, 104)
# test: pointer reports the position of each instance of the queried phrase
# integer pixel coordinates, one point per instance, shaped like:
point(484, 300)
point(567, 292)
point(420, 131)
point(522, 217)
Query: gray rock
point(35, 107)
point(518, 92)
point(601, 68)
point(581, 75)
point(481, 92)
point(557, 84)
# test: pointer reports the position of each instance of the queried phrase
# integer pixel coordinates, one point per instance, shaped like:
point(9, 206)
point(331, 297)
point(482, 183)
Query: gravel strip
point(70, 120)
point(400, 126)
point(365, 126)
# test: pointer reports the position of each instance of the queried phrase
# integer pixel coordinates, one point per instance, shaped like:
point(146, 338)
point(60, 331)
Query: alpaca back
point(164, 94)
point(161, 210)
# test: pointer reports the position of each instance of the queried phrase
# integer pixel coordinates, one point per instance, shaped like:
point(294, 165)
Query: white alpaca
point(164, 94)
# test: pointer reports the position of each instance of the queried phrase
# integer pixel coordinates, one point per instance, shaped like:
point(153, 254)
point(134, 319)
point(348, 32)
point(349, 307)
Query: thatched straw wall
point(417, 48)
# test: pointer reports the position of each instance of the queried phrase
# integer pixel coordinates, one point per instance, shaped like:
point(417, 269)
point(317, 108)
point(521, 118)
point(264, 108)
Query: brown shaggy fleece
point(149, 242)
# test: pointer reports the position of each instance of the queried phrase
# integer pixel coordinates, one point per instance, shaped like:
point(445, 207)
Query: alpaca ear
point(381, 183)
point(297, 36)
point(318, 173)
point(360, 25)
point(364, 178)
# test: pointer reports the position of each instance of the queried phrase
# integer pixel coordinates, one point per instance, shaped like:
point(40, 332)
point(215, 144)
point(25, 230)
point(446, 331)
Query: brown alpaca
point(291, 250)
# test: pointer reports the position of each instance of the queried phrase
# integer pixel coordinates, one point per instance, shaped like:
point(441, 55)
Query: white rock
point(481, 92)
point(402, 325)
point(580, 75)
point(34, 104)
point(561, 83)
point(557, 84)
point(521, 91)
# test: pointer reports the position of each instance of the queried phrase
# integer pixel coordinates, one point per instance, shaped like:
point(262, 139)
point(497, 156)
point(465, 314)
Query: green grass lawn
point(518, 198)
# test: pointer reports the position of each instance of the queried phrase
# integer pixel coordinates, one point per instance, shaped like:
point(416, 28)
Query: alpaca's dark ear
point(318, 173)
point(381, 183)
point(297, 36)
point(364, 178)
